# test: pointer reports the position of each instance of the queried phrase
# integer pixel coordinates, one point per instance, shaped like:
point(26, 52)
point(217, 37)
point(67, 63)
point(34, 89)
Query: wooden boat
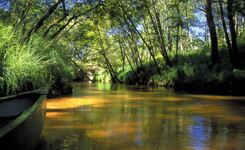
point(21, 120)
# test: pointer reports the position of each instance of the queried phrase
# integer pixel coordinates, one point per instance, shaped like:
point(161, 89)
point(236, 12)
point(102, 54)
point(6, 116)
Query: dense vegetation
point(186, 44)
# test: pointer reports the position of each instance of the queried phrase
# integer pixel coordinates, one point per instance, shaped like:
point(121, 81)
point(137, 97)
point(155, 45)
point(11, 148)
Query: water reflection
point(105, 116)
point(200, 133)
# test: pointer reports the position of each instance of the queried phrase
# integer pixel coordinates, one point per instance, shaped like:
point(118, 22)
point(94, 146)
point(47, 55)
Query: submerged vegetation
point(189, 44)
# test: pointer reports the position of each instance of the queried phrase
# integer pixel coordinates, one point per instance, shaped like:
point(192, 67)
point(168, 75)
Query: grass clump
point(28, 65)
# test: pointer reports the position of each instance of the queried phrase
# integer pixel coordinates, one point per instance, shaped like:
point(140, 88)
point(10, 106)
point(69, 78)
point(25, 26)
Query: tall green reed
point(29, 65)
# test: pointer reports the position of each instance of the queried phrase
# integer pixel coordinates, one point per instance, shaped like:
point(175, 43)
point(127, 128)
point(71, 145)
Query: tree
point(43, 18)
point(212, 32)
point(226, 32)
point(232, 31)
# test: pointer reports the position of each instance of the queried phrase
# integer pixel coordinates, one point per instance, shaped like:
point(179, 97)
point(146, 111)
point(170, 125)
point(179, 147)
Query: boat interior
point(13, 106)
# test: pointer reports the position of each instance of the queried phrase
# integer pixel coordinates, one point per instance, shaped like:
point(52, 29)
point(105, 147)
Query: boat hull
point(22, 132)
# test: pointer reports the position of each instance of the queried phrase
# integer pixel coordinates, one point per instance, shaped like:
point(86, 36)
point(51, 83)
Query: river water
point(120, 117)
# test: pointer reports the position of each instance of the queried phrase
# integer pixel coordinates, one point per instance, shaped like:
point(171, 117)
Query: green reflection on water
point(106, 116)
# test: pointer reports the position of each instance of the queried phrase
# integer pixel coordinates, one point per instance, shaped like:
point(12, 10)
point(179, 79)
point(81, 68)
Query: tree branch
point(43, 19)
point(70, 20)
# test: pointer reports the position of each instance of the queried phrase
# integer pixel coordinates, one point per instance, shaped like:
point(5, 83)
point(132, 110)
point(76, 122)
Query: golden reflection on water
point(69, 103)
point(55, 114)
point(173, 99)
point(217, 97)
point(119, 117)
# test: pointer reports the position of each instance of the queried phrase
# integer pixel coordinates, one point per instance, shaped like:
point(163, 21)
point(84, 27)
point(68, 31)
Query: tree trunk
point(212, 31)
point(177, 46)
point(233, 32)
point(42, 19)
point(226, 33)
point(162, 44)
point(126, 18)
point(80, 68)
point(112, 72)
point(159, 33)
point(122, 53)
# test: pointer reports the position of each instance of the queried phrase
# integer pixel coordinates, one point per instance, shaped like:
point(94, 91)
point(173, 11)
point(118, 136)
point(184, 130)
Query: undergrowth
point(27, 65)
point(192, 71)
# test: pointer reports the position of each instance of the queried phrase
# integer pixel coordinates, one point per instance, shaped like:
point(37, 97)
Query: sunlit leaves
point(29, 65)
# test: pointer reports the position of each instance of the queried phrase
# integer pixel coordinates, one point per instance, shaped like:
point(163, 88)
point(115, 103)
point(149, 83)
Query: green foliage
point(238, 73)
point(28, 65)
point(61, 65)
point(136, 42)
point(102, 76)
point(124, 75)
point(140, 76)
point(193, 70)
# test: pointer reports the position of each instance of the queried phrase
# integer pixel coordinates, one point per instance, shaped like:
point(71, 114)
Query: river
point(121, 117)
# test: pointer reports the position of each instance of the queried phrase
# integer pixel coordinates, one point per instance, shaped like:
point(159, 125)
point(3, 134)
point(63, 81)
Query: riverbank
point(228, 87)
point(192, 73)
point(224, 82)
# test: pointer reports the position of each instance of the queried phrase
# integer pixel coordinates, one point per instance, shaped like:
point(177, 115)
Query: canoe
point(21, 120)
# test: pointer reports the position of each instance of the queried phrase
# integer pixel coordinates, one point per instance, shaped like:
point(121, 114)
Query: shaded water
point(105, 116)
